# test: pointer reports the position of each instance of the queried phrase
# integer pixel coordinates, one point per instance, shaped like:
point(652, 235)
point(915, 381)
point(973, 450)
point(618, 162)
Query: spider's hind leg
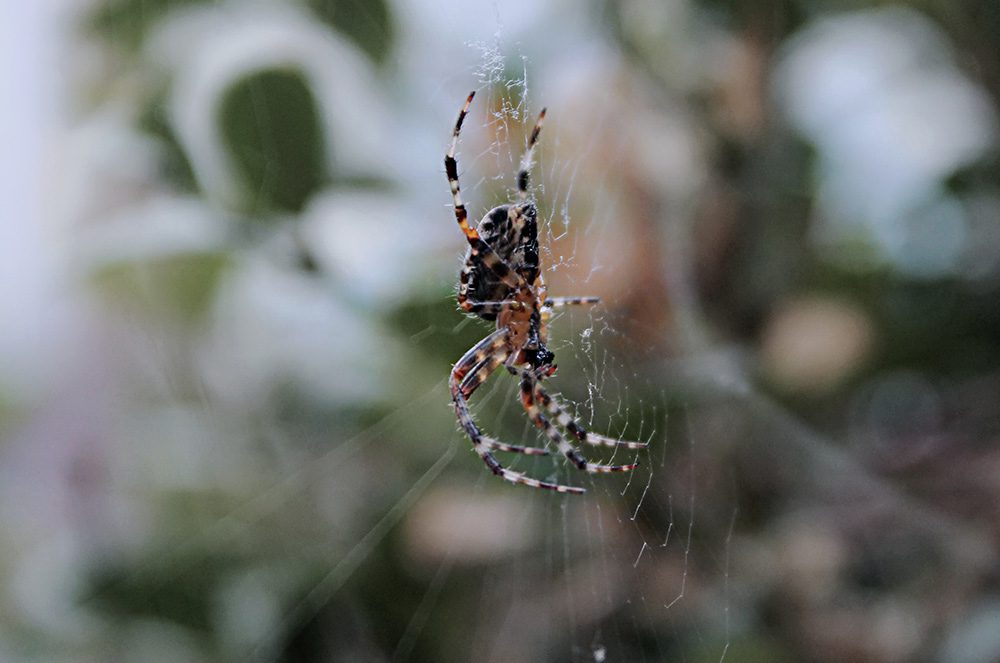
point(466, 373)
point(472, 381)
point(566, 420)
point(528, 390)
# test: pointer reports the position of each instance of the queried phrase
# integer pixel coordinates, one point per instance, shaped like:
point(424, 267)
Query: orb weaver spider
point(501, 281)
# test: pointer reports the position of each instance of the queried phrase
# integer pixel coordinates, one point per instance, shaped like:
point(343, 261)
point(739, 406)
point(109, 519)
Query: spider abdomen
point(511, 232)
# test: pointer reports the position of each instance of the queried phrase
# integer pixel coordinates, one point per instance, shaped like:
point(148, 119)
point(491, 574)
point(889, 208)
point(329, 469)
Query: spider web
point(592, 576)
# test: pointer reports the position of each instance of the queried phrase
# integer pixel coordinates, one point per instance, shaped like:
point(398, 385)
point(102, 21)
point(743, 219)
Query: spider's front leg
point(523, 172)
point(478, 248)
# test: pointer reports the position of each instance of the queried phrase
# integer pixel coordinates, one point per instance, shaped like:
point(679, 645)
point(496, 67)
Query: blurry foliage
point(769, 179)
point(174, 163)
point(366, 22)
point(179, 287)
point(269, 120)
point(974, 24)
point(183, 599)
point(767, 18)
point(424, 321)
point(125, 23)
point(270, 123)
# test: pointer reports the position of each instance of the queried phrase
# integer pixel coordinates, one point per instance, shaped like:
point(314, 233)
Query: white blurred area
point(880, 96)
point(37, 315)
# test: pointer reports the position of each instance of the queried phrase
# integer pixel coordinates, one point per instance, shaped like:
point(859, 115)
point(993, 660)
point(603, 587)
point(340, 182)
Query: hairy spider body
point(501, 281)
point(512, 232)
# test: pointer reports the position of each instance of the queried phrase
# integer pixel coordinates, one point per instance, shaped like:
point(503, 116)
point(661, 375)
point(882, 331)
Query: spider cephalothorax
point(501, 280)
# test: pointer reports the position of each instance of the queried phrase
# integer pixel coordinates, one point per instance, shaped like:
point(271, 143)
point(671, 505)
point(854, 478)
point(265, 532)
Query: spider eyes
point(541, 360)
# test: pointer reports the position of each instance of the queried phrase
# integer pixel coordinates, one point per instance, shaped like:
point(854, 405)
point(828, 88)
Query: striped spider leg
point(530, 389)
point(574, 427)
point(481, 254)
point(470, 372)
point(562, 302)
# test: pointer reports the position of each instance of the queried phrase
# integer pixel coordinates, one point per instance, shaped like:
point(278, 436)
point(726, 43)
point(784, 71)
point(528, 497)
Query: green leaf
point(271, 127)
point(366, 22)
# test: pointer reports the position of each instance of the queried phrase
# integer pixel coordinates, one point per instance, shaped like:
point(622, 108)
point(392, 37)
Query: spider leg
point(568, 450)
point(476, 355)
point(472, 362)
point(451, 168)
point(497, 445)
point(477, 246)
point(473, 306)
point(559, 302)
point(480, 372)
point(523, 174)
point(564, 419)
point(476, 377)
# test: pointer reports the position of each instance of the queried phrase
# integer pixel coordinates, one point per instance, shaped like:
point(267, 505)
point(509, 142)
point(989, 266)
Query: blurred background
point(227, 274)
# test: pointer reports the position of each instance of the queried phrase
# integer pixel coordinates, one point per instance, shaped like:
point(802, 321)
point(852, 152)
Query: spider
point(501, 281)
